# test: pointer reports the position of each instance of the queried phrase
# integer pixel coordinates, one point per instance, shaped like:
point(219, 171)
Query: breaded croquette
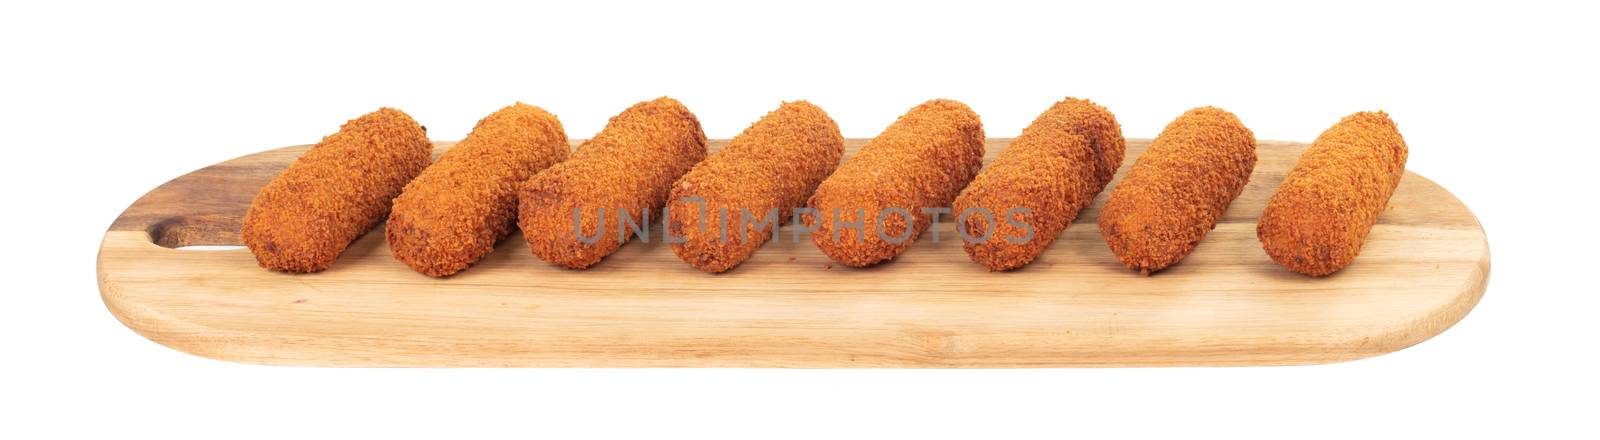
point(1178, 189)
point(456, 210)
point(733, 202)
point(1027, 196)
point(619, 176)
point(1319, 218)
point(876, 205)
point(339, 189)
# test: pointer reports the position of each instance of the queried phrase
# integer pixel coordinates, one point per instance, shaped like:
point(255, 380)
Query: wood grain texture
point(1424, 267)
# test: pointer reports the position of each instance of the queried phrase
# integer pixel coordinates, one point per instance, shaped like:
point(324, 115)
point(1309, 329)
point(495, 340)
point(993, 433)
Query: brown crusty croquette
point(456, 210)
point(770, 168)
point(339, 189)
point(1178, 189)
point(1319, 218)
point(920, 161)
point(630, 165)
point(1040, 182)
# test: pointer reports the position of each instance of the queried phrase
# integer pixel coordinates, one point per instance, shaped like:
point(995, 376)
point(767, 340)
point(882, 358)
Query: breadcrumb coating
point(630, 165)
point(773, 165)
point(452, 214)
point(1047, 175)
point(339, 189)
point(920, 161)
point(1319, 218)
point(1178, 189)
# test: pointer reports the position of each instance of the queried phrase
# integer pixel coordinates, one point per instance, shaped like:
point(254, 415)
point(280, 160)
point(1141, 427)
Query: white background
point(102, 102)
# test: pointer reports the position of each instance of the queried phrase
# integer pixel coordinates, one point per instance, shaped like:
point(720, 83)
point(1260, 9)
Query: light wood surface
point(1424, 267)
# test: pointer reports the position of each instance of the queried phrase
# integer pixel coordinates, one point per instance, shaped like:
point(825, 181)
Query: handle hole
point(197, 232)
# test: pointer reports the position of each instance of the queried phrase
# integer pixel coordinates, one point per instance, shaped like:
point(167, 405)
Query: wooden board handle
point(199, 208)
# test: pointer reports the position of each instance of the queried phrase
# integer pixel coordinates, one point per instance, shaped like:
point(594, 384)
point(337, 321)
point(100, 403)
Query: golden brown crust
point(339, 189)
point(456, 210)
point(630, 165)
point(921, 161)
point(773, 165)
point(1319, 218)
point(1178, 189)
point(1052, 170)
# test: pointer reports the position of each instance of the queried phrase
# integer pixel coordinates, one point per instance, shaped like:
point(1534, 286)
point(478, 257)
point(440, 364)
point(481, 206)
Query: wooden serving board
point(1425, 266)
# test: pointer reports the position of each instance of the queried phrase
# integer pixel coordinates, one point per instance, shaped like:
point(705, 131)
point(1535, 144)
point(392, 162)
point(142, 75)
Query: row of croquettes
point(515, 170)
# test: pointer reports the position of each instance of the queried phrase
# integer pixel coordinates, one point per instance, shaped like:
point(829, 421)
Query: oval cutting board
point(1424, 267)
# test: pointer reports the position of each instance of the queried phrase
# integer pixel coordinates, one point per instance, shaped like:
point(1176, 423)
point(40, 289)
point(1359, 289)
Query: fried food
point(452, 214)
point(1022, 201)
point(877, 203)
point(339, 189)
point(1318, 220)
point(619, 176)
point(733, 202)
point(1178, 189)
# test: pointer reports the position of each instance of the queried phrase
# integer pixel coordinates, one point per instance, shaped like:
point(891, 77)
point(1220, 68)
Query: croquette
point(457, 209)
point(733, 202)
point(1178, 189)
point(610, 185)
point(1318, 219)
point(877, 203)
point(1022, 201)
point(339, 189)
